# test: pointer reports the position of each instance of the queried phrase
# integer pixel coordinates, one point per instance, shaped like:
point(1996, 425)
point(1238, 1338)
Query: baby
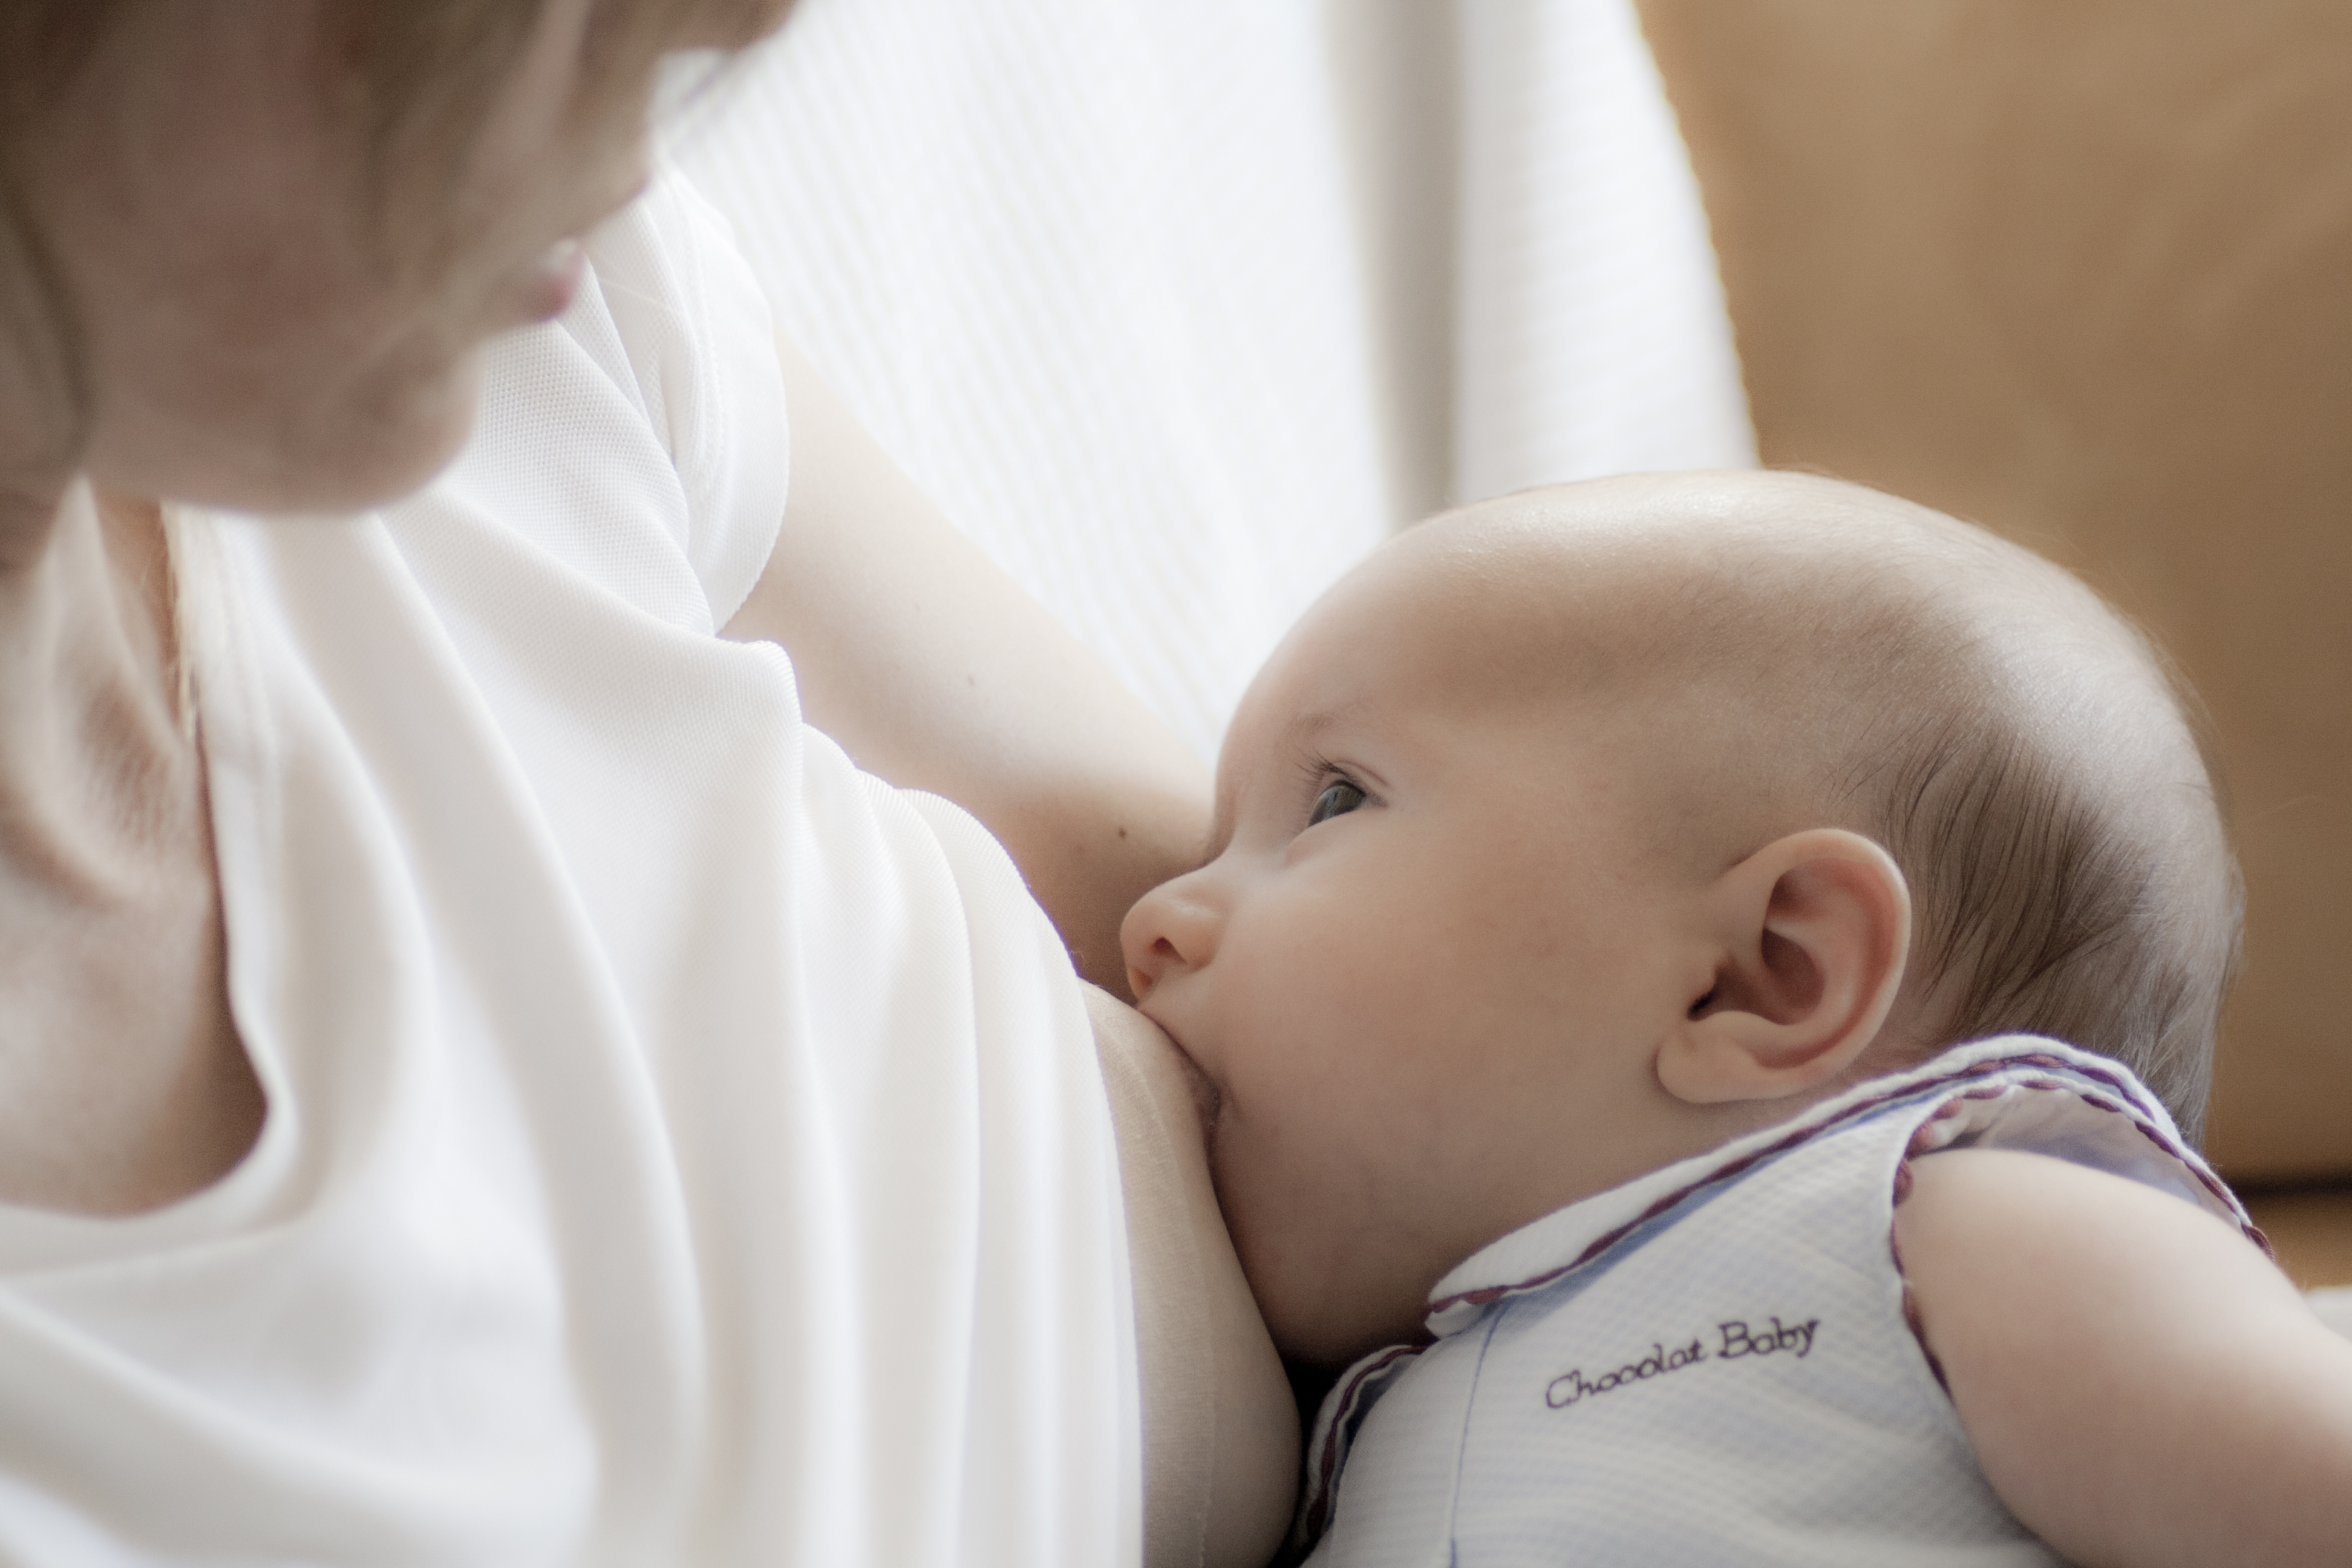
point(1605, 882)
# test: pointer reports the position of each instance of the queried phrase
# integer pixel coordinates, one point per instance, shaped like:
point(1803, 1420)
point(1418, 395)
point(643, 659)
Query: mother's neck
point(97, 771)
point(123, 1084)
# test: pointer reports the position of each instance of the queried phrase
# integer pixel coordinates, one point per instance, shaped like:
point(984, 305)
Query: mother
point(483, 1081)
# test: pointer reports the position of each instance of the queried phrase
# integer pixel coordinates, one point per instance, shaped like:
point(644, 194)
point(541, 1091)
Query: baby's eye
point(1340, 798)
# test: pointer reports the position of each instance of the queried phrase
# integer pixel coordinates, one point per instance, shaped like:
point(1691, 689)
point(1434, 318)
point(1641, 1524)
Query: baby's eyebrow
point(1301, 741)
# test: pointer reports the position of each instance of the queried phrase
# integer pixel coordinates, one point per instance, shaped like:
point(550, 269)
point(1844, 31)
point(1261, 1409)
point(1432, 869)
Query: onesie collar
point(1538, 1252)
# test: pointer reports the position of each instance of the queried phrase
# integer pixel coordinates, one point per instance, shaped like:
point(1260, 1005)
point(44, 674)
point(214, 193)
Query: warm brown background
point(2083, 272)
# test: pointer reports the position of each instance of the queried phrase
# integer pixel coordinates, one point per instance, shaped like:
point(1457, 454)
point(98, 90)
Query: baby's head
point(1577, 832)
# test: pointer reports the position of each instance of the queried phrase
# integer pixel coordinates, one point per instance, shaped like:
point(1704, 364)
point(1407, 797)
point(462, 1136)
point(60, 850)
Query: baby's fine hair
point(2028, 758)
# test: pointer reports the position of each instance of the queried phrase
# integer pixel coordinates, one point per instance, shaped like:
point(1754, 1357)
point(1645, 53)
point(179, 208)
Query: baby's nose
point(1170, 928)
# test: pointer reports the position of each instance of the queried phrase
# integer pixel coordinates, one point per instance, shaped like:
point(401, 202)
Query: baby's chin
point(1331, 1329)
point(1325, 1306)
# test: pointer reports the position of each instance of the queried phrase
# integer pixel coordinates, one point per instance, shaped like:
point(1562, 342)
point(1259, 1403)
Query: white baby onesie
point(1715, 1362)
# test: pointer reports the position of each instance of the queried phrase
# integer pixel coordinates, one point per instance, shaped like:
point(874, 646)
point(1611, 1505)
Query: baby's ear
point(1810, 935)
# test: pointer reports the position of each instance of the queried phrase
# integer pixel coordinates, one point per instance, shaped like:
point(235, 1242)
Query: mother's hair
point(404, 86)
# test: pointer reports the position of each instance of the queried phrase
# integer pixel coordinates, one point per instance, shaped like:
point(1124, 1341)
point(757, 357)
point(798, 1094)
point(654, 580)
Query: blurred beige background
point(2083, 273)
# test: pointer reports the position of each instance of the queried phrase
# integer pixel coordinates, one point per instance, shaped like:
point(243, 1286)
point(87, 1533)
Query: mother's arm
point(934, 670)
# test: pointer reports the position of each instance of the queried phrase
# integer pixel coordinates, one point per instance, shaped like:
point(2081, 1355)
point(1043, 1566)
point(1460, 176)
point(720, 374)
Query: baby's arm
point(933, 669)
point(2139, 1383)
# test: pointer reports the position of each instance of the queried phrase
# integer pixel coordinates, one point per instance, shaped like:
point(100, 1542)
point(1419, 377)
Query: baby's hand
point(2140, 1384)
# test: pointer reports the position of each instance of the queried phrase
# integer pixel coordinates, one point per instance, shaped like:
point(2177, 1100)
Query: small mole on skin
point(1122, 833)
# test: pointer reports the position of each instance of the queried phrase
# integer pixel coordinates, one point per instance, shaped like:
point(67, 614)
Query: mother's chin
point(379, 431)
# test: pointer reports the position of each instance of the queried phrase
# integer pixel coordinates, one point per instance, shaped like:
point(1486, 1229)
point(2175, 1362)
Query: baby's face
point(1426, 962)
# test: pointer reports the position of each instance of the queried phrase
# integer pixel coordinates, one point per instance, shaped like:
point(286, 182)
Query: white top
point(681, 1148)
point(1716, 1362)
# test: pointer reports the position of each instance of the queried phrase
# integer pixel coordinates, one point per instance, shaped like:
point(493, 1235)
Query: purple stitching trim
point(1317, 1516)
point(1911, 1318)
point(1912, 1321)
point(1485, 1294)
point(2181, 1156)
